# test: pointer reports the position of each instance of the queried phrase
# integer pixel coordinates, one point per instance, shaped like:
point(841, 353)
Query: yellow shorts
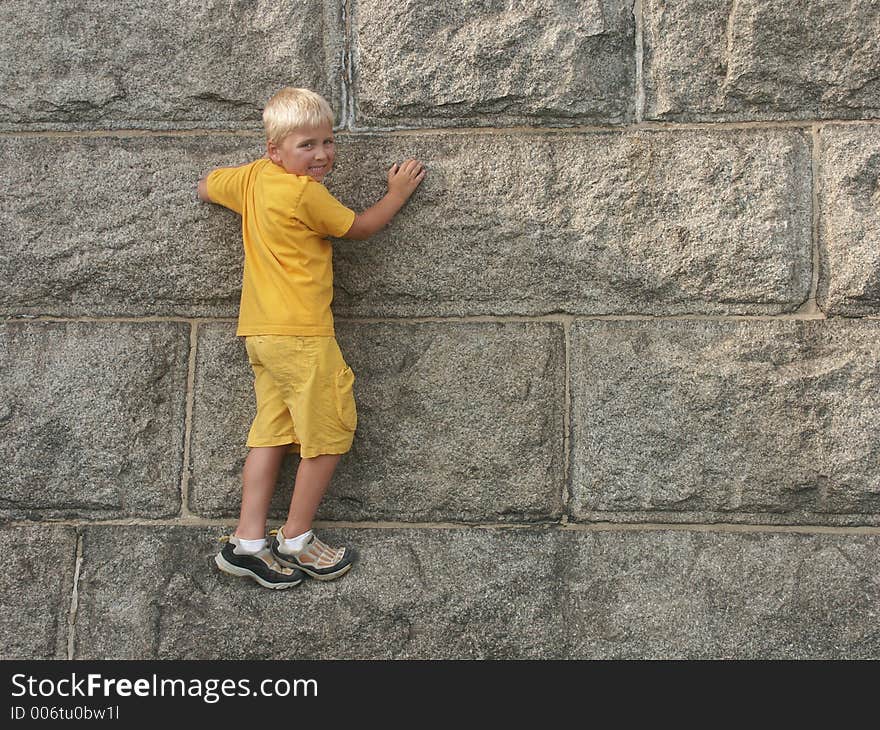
point(304, 394)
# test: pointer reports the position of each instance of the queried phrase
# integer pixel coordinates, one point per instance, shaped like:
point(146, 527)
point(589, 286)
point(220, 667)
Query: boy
point(303, 386)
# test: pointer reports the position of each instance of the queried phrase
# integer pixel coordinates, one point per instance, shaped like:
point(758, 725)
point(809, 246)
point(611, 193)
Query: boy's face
point(307, 151)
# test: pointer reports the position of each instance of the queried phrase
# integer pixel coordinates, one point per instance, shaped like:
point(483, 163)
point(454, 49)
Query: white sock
point(252, 546)
point(295, 544)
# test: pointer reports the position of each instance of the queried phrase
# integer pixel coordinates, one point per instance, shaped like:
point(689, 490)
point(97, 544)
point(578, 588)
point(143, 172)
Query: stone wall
point(618, 358)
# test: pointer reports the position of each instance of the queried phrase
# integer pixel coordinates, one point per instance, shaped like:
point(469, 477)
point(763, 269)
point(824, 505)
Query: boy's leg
point(295, 545)
point(245, 552)
point(324, 412)
point(238, 556)
point(259, 477)
point(312, 479)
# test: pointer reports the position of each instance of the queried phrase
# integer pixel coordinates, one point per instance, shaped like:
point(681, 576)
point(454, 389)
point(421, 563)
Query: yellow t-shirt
point(288, 261)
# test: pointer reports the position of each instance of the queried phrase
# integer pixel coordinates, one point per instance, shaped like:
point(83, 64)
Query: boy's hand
point(202, 190)
point(403, 179)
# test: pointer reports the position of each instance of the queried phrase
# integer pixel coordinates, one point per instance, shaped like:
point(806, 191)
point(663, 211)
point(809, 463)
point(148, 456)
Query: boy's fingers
point(409, 167)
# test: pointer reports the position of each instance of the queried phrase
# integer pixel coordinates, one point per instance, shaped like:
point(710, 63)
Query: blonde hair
point(290, 108)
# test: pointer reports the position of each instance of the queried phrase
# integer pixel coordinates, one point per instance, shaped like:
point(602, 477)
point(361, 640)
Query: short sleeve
point(226, 186)
point(323, 213)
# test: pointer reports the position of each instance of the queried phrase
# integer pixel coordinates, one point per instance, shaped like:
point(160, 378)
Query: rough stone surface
point(111, 226)
point(648, 222)
point(849, 220)
point(413, 594)
point(761, 59)
point(36, 582)
point(462, 421)
point(705, 595)
point(159, 65)
point(570, 332)
point(492, 62)
point(739, 421)
point(91, 418)
point(420, 594)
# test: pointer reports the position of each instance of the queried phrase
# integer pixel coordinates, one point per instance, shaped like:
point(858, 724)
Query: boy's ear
point(272, 152)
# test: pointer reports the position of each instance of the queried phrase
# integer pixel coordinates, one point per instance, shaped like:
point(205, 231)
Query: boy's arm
point(202, 191)
point(402, 182)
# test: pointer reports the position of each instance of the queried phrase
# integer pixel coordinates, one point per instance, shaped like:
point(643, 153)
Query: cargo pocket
point(345, 407)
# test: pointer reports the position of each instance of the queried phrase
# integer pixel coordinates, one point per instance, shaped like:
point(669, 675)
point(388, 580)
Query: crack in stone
point(729, 32)
point(74, 598)
point(419, 568)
